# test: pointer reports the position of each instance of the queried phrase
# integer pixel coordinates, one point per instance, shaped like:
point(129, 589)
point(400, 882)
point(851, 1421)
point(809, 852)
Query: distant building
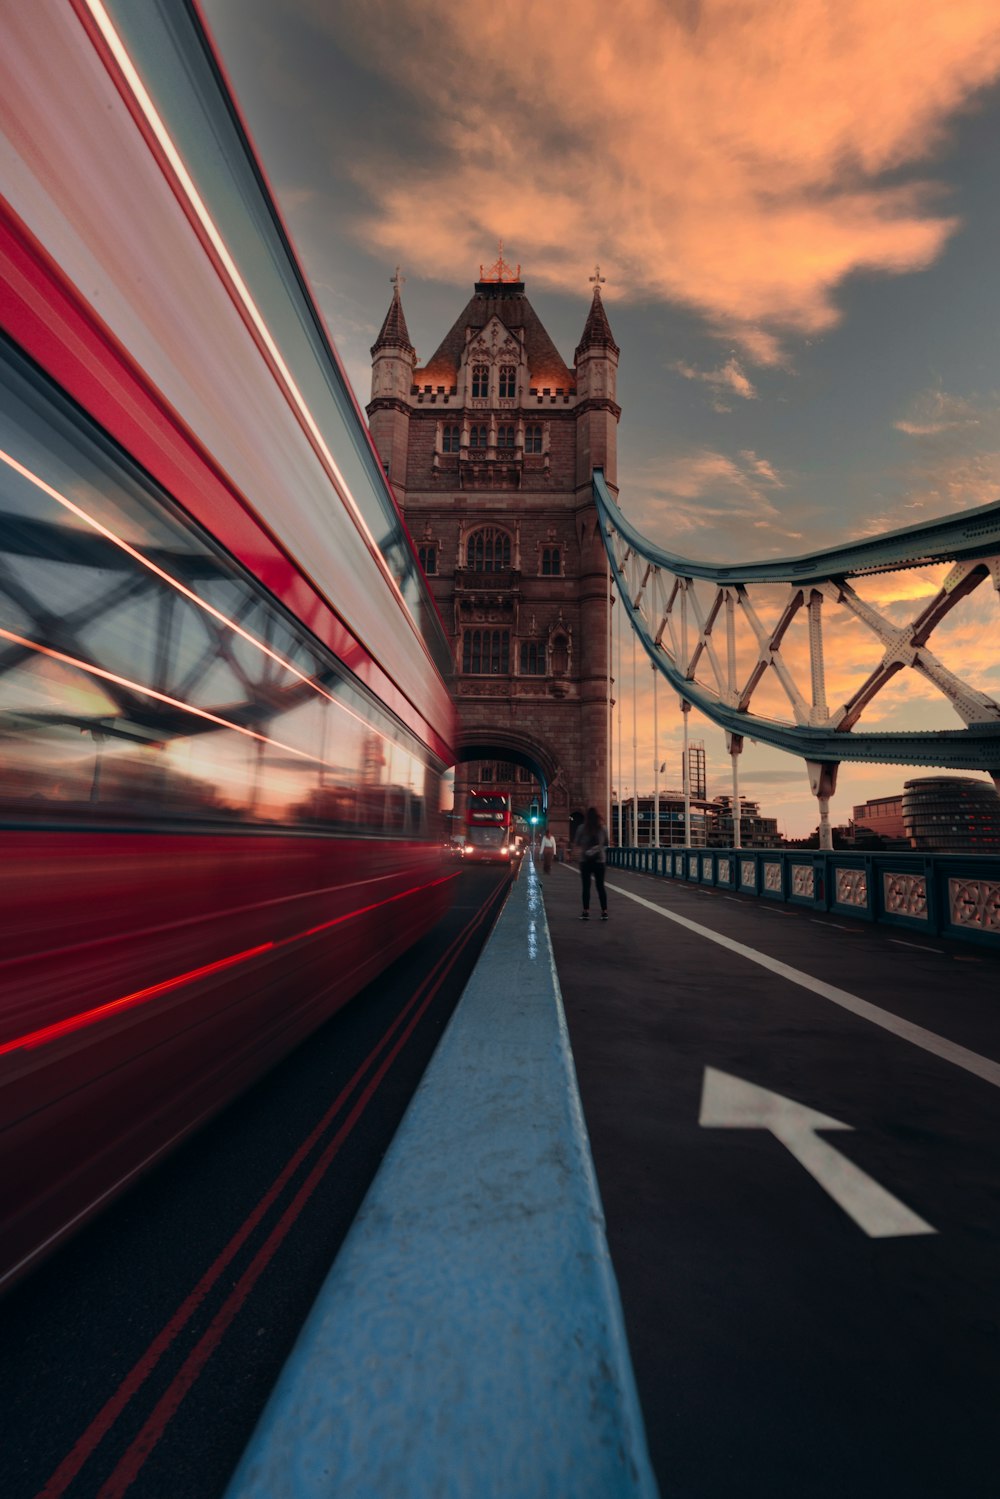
point(671, 821)
point(882, 815)
point(756, 831)
point(711, 823)
point(951, 813)
point(934, 813)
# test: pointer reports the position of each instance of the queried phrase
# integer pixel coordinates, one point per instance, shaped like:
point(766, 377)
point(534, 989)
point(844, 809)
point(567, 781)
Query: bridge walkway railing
point(953, 895)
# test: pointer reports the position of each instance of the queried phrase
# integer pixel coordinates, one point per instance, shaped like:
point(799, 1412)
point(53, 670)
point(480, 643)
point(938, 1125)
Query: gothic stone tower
point(489, 448)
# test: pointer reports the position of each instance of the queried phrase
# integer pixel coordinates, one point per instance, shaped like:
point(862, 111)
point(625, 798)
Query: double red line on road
point(166, 1407)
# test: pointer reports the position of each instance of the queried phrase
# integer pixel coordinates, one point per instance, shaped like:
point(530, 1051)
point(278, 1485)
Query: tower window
point(478, 437)
point(551, 562)
point(532, 659)
point(480, 380)
point(450, 439)
point(505, 437)
point(508, 380)
point(486, 652)
point(428, 559)
point(488, 550)
point(532, 439)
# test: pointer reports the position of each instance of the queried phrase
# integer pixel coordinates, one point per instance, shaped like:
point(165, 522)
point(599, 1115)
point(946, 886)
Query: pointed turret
point(394, 334)
point(596, 330)
point(393, 362)
point(596, 360)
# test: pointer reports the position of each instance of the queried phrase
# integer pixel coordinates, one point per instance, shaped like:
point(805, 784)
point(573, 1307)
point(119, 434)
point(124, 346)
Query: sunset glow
point(796, 209)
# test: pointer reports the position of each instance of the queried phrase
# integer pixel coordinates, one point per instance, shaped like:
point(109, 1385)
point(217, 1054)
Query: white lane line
point(939, 1046)
point(833, 925)
point(918, 945)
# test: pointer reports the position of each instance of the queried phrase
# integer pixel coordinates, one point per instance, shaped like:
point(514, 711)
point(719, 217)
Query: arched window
point(479, 437)
point(505, 437)
point(450, 440)
point(532, 439)
point(486, 652)
point(428, 559)
point(488, 551)
point(551, 562)
point(508, 380)
point(532, 659)
point(480, 380)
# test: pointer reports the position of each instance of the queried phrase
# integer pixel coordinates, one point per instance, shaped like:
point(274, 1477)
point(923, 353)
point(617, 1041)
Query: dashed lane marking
point(916, 1035)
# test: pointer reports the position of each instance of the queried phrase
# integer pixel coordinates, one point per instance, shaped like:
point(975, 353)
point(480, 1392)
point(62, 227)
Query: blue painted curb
point(469, 1339)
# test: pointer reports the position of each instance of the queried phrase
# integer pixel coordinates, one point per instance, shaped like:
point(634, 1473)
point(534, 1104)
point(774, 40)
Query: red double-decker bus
point(489, 836)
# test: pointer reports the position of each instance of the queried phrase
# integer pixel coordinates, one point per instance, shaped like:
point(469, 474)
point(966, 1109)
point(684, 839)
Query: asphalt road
point(137, 1360)
point(781, 1347)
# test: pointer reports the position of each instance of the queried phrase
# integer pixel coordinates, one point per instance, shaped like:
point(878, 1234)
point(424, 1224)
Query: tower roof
point(507, 301)
point(596, 330)
point(395, 333)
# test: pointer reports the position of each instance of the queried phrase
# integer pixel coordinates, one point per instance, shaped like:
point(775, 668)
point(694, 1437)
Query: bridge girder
point(664, 596)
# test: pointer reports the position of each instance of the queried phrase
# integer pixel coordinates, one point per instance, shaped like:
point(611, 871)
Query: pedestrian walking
point(589, 844)
point(548, 848)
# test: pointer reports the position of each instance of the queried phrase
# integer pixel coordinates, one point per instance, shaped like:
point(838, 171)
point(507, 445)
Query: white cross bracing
point(763, 674)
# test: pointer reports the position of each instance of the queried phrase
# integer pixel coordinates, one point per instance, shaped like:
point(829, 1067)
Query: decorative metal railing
point(954, 895)
point(721, 633)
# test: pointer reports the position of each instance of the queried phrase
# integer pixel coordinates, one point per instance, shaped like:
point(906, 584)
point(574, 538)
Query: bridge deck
point(780, 1345)
point(795, 1126)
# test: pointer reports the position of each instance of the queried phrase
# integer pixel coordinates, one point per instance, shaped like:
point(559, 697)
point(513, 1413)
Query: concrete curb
point(469, 1339)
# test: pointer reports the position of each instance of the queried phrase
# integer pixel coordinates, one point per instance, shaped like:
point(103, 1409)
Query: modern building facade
point(881, 815)
point(936, 814)
point(756, 829)
point(711, 823)
point(490, 445)
point(951, 813)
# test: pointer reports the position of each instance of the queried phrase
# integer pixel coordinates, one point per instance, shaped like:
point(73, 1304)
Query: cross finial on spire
point(397, 281)
point(598, 280)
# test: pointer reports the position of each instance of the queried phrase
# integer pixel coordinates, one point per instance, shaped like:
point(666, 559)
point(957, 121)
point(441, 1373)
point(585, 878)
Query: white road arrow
point(730, 1103)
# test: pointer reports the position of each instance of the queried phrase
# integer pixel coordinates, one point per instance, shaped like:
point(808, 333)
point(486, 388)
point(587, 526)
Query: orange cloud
point(730, 156)
point(730, 378)
point(708, 491)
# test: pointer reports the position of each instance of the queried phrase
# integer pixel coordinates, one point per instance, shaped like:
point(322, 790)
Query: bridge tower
point(489, 447)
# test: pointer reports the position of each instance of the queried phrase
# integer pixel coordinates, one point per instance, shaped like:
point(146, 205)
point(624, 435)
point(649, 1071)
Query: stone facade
point(489, 447)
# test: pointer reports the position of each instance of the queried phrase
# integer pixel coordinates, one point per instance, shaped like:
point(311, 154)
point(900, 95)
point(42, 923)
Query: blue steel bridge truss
point(715, 631)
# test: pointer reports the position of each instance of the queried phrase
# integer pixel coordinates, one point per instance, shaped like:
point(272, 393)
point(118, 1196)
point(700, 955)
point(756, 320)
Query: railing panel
point(954, 895)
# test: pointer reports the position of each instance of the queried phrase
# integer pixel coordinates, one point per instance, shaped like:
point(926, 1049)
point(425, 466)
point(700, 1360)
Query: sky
point(796, 207)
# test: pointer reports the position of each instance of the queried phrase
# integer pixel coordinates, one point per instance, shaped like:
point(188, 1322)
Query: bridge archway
point(535, 754)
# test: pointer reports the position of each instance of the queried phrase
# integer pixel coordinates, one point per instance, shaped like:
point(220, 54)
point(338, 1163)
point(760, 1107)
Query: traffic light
point(533, 814)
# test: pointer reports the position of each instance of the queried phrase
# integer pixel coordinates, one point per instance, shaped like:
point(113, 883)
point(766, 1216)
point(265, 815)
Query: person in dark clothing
point(588, 846)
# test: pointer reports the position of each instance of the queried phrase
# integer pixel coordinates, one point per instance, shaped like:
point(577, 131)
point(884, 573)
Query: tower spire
point(395, 333)
point(597, 330)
